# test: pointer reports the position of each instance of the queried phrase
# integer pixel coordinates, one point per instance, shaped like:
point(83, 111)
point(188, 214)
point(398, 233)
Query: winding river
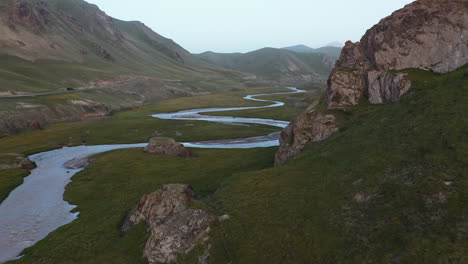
point(36, 208)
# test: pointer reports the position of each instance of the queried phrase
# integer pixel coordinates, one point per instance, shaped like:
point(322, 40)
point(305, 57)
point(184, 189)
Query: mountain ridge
point(275, 66)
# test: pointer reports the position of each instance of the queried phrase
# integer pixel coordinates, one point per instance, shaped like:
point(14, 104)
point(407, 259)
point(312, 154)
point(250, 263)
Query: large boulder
point(167, 146)
point(310, 127)
point(175, 228)
point(427, 34)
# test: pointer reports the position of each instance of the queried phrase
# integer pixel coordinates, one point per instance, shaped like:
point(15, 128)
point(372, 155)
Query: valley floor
point(390, 187)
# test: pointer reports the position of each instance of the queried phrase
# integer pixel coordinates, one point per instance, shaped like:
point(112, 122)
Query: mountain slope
point(331, 51)
point(83, 43)
point(300, 48)
point(61, 60)
point(389, 188)
point(276, 65)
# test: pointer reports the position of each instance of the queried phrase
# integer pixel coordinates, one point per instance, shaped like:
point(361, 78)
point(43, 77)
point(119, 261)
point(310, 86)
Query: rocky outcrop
point(427, 34)
point(175, 228)
point(18, 162)
point(310, 127)
point(167, 146)
point(28, 164)
point(76, 163)
point(385, 87)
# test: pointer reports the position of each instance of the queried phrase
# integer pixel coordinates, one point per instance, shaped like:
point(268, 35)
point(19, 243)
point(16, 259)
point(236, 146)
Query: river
point(36, 208)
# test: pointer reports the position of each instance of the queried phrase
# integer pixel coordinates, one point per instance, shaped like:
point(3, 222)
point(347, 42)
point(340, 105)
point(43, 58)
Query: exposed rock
point(27, 164)
point(18, 161)
point(167, 146)
point(385, 87)
point(175, 228)
point(310, 127)
point(427, 34)
point(77, 163)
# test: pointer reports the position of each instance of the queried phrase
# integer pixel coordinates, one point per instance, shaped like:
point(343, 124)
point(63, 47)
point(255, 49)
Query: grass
point(295, 105)
point(134, 126)
point(389, 188)
point(137, 126)
point(115, 182)
point(378, 192)
point(9, 180)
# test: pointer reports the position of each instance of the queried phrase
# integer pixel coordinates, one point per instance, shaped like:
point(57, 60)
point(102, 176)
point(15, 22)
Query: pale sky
point(246, 25)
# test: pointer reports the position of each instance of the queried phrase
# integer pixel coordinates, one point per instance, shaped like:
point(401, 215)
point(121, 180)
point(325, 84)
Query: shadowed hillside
point(277, 66)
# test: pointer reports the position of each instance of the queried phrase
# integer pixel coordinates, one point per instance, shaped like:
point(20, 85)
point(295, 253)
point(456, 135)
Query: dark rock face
point(167, 146)
point(427, 34)
point(310, 127)
point(175, 228)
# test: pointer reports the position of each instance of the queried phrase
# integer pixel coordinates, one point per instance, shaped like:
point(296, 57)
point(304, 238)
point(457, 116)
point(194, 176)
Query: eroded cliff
point(426, 34)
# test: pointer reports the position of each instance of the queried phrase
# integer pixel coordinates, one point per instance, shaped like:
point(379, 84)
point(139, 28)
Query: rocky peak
point(426, 34)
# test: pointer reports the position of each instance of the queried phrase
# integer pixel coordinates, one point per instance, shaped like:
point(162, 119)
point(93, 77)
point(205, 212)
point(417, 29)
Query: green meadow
point(390, 187)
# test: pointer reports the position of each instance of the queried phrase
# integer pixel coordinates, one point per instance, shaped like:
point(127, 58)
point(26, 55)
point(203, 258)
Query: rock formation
point(427, 34)
point(309, 127)
point(175, 229)
point(18, 161)
point(167, 146)
point(27, 164)
point(77, 163)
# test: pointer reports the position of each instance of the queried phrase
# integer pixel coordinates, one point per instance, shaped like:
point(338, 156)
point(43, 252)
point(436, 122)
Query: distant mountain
point(279, 66)
point(300, 48)
point(333, 53)
point(335, 44)
point(77, 42)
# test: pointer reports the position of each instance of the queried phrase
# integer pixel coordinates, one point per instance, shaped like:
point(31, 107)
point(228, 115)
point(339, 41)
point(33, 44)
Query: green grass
point(296, 104)
point(374, 193)
point(115, 182)
point(21, 75)
point(396, 157)
point(9, 180)
point(137, 126)
point(134, 126)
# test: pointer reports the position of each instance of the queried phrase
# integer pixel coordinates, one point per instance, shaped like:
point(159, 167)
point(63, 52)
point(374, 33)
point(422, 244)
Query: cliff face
point(427, 34)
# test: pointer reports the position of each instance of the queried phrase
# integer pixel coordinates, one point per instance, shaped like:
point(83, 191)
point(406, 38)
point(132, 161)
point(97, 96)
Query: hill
point(78, 43)
point(276, 66)
point(60, 59)
point(331, 51)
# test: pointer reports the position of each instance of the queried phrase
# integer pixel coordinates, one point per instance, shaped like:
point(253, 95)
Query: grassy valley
point(387, 176)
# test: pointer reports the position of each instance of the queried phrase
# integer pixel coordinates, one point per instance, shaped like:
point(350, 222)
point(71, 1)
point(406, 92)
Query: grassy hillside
point(389, 188)
point(278, 65)
point(68, 43)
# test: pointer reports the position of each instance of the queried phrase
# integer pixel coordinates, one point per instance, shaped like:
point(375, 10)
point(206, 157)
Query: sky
point(246, 25)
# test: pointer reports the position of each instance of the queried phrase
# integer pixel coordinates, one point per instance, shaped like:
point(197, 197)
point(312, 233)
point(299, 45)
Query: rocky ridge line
point(426, 34)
